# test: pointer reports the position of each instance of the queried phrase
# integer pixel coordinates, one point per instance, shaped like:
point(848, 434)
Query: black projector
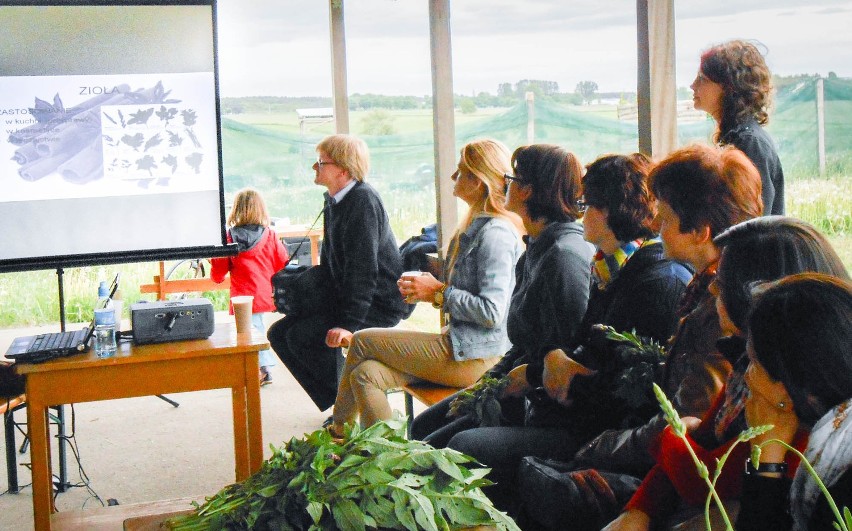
point(161, 321)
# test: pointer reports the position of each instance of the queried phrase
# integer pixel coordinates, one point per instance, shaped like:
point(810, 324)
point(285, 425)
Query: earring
point(781, 405)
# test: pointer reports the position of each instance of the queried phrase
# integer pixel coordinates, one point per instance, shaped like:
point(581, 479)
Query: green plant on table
point(844, 521)
point(371, 479)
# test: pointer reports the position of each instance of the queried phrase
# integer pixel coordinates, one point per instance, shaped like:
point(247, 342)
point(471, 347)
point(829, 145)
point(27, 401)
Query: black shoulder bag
point(302, 289)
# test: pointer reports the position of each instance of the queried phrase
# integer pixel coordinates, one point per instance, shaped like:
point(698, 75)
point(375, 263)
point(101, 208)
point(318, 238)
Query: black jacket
point(750, 138)
point(643, 297)
point(362, 256)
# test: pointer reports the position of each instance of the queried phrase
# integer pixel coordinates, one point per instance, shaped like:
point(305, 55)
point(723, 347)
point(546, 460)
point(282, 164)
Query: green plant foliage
point(372, 479)
point(843, 521)
point(481, 402)
point(642, 358)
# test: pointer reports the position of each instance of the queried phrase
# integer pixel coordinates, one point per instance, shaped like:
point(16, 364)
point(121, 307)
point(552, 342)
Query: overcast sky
point(281, 47)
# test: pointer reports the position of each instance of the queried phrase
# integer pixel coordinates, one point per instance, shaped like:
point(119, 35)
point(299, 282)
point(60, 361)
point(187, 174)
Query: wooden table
point(224, 360)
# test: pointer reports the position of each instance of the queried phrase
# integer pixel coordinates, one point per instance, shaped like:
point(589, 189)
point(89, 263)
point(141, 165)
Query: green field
point(267, 149)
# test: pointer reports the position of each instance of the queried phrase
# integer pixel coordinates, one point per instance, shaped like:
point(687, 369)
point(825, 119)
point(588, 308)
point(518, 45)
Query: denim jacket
point(480, 288)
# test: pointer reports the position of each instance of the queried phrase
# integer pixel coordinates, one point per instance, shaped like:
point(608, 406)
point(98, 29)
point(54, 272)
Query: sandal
point(265, 377)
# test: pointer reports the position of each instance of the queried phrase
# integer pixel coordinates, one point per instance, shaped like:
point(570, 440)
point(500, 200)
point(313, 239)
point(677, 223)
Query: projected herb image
point(141, 136)
point(149, 144)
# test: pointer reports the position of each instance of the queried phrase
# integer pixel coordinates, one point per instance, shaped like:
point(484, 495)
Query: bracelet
point(765, 468)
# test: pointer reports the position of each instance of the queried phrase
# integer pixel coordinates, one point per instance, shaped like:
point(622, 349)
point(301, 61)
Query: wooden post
point(530, 117)
point(657, 90)
point(820, 105)
point(443, 118)
point(338, 66)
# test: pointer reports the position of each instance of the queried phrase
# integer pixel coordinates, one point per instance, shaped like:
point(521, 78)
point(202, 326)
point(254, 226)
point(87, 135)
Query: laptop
point(43, 347)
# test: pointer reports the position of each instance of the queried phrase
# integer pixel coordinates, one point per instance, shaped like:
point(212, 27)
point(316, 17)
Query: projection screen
point(111, 148)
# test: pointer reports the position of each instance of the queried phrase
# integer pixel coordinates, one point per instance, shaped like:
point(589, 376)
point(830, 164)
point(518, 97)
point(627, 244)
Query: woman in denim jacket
point(479, 279)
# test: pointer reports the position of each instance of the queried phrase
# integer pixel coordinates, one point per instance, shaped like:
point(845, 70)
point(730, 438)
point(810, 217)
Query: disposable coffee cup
point(242, 313)
point(408, 275)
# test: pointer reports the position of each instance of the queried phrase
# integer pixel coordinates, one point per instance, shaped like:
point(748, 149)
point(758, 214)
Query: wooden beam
point(443, 118)
point(340, 92)
point(657, 90)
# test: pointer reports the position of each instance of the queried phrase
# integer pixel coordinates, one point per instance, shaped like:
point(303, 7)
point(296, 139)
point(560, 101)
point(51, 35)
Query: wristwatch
point(765, 468)
point(438, 300)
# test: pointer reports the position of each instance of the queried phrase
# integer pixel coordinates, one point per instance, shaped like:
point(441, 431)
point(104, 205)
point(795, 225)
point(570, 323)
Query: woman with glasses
point(552, 288)
point(474, 294)
point(688, 218)
point(734, 86)
point(633, 287)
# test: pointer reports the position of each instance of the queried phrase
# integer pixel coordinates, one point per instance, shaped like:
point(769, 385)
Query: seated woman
point(800, 377)
point(633, 287)
point(551, 293)
point(761, 249)
point(688, 220)
point(479, 281)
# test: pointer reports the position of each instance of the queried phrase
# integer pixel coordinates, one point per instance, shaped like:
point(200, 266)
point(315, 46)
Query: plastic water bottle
point(105, 344)
point(103, 296)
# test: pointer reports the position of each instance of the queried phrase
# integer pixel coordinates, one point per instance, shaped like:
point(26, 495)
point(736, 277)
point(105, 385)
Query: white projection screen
point(110, 148)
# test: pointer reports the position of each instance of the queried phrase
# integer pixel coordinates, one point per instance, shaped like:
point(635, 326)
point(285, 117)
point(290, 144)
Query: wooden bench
point(8, 406)
point(132, 517)
point(426, 393)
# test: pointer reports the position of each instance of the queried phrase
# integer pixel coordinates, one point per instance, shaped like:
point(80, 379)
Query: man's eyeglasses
point(320, 163)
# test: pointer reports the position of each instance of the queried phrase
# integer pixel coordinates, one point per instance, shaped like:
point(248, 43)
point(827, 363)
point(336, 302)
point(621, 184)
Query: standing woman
point(260, 255)
point(477, 285)
point(734, 86)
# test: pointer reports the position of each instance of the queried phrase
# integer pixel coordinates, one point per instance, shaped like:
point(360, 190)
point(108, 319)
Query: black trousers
point(299, 343)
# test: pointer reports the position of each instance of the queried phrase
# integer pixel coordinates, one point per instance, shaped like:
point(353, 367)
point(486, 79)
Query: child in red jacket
point(260, 255)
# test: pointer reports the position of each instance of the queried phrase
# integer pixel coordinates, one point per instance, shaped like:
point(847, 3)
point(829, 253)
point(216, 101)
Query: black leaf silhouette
point(153, 141)
point(165, 114)
point(174, 139)
point(141, 117)
point(189, 117)
point(146, 163)
point(134, 141)
point(171, 161)
point(194, 161)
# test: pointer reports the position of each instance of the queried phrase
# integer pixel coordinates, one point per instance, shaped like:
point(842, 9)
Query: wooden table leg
point(255, 427)
point(241, 442)
point(248, 431)
point(41, 472)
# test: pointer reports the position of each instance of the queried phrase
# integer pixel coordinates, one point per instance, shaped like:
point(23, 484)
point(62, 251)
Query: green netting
point(278, 161)
point(793, 126)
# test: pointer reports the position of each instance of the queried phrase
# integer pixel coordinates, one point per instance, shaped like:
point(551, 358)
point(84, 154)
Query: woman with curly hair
point(734, 86)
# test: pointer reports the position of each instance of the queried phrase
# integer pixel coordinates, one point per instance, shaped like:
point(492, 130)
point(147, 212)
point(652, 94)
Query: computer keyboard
point(57, 340)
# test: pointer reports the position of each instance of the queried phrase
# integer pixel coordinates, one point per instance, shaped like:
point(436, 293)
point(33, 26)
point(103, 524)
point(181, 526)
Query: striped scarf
point(605, 268)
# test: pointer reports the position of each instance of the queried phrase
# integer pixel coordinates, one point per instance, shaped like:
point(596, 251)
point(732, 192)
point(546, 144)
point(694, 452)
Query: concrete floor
point(143, 449)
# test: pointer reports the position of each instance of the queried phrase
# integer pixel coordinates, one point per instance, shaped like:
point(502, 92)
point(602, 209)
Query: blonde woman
point(475, 294)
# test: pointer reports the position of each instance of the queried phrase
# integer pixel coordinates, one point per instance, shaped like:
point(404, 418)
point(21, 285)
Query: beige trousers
point(380, 359)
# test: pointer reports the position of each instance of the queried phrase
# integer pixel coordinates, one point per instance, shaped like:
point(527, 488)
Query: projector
point(161, 321)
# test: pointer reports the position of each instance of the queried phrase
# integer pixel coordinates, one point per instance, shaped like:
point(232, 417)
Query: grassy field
point(269, 151)
point(827, 204)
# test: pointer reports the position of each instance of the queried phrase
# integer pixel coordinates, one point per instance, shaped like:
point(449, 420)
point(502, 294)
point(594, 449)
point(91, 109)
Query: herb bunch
point(641, 359)
point(482, 401)
point(372, 479)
